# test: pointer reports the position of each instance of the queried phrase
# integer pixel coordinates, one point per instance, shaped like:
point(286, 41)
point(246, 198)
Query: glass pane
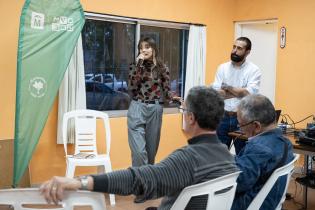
point(172, 46)
point(108, 50)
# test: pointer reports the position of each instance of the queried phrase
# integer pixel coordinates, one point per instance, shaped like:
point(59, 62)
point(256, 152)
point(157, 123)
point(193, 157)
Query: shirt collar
point(241, 66)
point(204, 138)
point(276, 131)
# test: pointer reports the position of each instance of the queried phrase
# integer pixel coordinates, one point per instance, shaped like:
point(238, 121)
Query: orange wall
point(48, 159)
point(295, 64)
point(295, 81)
point(9, 19)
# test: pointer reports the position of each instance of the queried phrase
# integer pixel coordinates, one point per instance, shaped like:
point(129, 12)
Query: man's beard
point(237, 58)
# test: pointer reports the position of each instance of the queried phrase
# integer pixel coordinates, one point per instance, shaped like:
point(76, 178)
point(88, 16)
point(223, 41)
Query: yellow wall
point(295, 82)
point(48, 159)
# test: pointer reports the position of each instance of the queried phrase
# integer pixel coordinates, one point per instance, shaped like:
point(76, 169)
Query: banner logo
point(37, 87)
point(37, 21)
point(62, 23)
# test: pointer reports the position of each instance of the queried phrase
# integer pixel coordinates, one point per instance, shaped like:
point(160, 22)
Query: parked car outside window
point(103, 93)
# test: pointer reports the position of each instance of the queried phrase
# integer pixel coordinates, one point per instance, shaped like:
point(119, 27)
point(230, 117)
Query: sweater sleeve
point(152, 181)
point(165, 78)
point(219, 78)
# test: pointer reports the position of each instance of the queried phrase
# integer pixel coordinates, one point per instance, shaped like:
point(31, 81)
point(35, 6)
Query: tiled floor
point(296, 191)
point(126, 202)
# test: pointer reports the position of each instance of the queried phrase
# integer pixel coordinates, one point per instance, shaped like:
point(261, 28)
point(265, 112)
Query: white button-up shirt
point(246, 76)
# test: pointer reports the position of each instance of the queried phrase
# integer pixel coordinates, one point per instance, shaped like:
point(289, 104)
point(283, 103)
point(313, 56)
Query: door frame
point(238, 25)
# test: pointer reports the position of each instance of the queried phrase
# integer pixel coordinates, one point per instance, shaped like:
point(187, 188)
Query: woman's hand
point(140, 57)
point(176, 99)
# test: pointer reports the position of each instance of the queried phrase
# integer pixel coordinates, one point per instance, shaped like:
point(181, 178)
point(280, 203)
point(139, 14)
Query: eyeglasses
point(182, 109)
point(245, 124)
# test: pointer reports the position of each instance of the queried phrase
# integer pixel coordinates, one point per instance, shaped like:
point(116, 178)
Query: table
point(297, 148)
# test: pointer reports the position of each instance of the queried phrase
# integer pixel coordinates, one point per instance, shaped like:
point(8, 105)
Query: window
point(172, 45)
point(109, 47)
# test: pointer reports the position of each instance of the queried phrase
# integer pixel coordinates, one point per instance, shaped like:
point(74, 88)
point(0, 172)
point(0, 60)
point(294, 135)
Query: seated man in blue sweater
point(265, 151)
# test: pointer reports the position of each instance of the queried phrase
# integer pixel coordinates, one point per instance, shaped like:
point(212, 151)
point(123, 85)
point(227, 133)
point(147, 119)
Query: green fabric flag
point(49, 30)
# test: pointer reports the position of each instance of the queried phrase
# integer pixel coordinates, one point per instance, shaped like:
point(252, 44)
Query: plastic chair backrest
point(262, 194)
point(85, 130)
point(17, 198)
point(216, 199)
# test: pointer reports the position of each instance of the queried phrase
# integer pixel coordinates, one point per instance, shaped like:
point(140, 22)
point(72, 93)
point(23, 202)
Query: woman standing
point(148, 81)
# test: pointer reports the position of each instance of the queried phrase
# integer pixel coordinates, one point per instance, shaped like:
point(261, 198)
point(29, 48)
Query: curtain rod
point(146, 19)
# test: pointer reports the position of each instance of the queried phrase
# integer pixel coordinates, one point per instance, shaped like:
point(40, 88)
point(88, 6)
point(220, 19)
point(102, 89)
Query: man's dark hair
point(257, 107)
point(247, 41)
point(207, 106)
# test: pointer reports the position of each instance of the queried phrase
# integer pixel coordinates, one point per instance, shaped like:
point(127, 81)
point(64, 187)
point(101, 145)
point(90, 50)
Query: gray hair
point(257, 107)
point(207, 106)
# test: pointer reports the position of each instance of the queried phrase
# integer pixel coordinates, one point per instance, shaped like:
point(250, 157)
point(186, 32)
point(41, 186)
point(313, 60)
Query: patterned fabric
point(260, 156)
point(203, 159)
point(148, 83)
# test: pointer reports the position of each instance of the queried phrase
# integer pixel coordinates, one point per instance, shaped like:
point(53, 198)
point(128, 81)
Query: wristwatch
point(84, 182)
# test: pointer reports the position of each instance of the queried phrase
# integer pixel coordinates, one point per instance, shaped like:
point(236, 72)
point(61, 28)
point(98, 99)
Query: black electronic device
point(306, 141)
point(306, 137)
point(310, 131)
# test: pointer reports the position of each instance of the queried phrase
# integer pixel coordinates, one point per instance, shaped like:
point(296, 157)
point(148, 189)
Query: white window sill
point(123, 113)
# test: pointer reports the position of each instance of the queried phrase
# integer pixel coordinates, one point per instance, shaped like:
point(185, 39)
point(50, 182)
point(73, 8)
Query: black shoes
point(308, 181)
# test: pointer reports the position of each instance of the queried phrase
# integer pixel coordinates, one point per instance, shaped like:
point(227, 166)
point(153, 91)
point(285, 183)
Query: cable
point(289, 117)
point(293, 123)
point(304, 119)
point(286, 120)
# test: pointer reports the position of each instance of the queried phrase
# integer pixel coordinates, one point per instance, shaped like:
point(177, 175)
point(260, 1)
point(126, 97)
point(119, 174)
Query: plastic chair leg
point(70, 171)
point(108, 168)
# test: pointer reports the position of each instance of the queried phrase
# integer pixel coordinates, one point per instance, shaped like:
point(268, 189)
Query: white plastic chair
point(261, 196)
point(85, 142)
point(217, 201)
point(17, 198)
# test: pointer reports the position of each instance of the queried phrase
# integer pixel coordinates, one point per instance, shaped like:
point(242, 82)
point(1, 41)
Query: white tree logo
point(37, 20)
point(37, 87)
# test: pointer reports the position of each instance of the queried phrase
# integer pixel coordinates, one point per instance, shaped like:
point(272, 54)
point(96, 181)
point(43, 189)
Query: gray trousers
point(144, 130)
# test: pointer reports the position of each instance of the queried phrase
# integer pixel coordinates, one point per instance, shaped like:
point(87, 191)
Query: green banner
point(49, 30)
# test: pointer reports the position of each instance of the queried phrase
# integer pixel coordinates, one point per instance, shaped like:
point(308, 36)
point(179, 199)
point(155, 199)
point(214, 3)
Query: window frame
point(138, 22)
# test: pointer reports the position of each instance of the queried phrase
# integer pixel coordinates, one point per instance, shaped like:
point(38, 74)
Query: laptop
point(278, 113)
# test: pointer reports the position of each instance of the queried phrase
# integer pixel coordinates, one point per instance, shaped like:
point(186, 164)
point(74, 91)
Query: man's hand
point(53, 189)
point(226, 87)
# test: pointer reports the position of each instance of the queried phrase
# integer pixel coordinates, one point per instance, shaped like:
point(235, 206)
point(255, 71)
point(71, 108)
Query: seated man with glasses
point(202, 159)
point(266, 150)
